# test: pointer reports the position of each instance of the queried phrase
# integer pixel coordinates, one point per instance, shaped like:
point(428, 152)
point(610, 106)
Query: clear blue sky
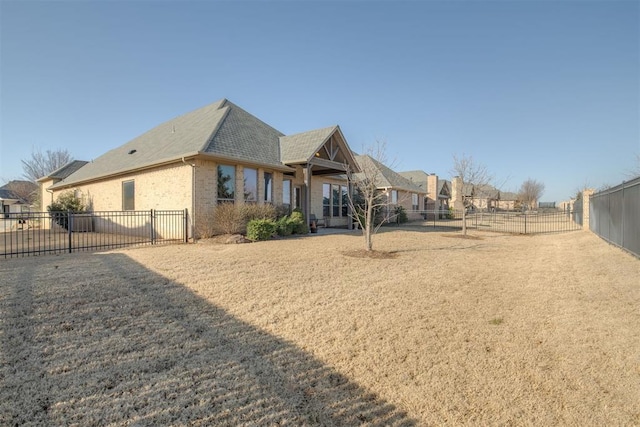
point(539, 89)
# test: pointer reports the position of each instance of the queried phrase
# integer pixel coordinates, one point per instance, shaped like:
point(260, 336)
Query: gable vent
point(132, 151)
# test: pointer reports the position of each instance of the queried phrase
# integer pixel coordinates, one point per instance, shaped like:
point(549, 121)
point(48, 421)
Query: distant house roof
point(418, 177)
point(18, 191)
point(386, 177)
point(508, 195)
point(221, 129)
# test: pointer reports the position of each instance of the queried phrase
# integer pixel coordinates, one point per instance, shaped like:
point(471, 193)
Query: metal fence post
point(525, 222)
point(152, 221)
point(186, 225)
point(69, 228)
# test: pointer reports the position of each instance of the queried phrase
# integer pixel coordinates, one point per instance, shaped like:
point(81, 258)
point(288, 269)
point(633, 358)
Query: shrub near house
point(66, 202)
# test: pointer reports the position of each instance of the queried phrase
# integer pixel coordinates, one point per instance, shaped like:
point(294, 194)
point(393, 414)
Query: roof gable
point(301, 147)
point(386, 177)
point(321, 146)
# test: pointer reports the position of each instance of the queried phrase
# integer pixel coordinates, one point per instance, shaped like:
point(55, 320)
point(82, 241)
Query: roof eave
point(64, 184)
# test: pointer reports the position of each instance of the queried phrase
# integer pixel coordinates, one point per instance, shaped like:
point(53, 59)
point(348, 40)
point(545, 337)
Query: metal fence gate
point(39, 233)
point(614, 215)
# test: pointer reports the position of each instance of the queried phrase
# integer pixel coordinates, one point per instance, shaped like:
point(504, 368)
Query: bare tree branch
point(530, 192)
point(41, 164)
point(368, 203)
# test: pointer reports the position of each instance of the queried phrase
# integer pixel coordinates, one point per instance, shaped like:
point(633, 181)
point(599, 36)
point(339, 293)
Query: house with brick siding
point(217, 153)
point(400, 191)
point(438, 192)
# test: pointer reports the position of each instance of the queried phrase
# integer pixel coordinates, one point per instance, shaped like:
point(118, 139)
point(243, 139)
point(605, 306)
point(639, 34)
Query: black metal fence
point(39, 233)
point(614, 215)
point(530, 222)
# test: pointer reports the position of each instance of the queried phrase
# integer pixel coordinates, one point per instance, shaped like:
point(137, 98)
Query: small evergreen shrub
point(401, 215)
point(300, 226)
point(261, 229)
point(285, 226)
point(66, 202)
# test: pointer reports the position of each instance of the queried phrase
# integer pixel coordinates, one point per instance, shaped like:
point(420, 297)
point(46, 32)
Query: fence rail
point(40, 233)
point(531, 222)
point(614, 215)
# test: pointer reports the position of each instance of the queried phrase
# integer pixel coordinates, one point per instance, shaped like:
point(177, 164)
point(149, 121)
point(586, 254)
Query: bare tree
point(530, 192)
point(473, 177)
point(41, 164)
point(369, 204)
point(635, 171)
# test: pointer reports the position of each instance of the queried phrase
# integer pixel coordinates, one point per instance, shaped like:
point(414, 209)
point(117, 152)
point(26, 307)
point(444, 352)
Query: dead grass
point(500, 331)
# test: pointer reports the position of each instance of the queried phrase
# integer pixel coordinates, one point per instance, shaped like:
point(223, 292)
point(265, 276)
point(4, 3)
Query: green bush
point(261, 229)
point(300, 226)
point(285, 226)
point(401, 215)
point(66, 202)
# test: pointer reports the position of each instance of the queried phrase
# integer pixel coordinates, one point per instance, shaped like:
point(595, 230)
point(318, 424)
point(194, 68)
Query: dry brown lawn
point(497, 330)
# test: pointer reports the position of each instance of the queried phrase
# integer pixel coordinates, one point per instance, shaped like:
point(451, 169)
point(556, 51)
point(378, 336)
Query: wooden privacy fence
point(40, 233)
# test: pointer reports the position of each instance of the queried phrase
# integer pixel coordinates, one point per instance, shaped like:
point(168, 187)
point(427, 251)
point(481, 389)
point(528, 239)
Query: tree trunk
point(368, 243)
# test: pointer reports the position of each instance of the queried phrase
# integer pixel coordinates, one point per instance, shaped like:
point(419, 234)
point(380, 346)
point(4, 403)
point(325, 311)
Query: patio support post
point(349, 210)
point(307, 192)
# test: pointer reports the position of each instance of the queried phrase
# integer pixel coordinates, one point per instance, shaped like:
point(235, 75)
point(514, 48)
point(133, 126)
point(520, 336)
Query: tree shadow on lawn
point(123, 345)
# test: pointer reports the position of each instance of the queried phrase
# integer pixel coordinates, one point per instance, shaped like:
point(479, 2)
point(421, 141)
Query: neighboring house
point(216, 154)
point(17, 196)
point(400, 191)
point(482, 197)
point(438, 191)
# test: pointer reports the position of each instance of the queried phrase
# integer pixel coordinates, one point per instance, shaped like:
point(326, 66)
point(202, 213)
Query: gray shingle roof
point(18, 190)
point(441, 184)
point(66, 170)
point(303, 146)
point(243, 136)
point(417, 177)
point(221, 128)
point(386, 177)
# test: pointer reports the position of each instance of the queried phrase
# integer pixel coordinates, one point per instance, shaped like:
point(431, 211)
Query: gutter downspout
point(193, 198)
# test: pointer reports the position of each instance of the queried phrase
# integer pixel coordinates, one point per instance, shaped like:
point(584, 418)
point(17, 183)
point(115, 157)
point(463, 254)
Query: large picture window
point(345, 200)
point(268, 187)
point(326, 200)
point(128, 196)
point(250, 185)
point(226, 183)
point(335, 200)
point(286, 193)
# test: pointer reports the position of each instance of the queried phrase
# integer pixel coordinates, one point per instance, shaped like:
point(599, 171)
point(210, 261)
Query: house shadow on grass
point(121, 345)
